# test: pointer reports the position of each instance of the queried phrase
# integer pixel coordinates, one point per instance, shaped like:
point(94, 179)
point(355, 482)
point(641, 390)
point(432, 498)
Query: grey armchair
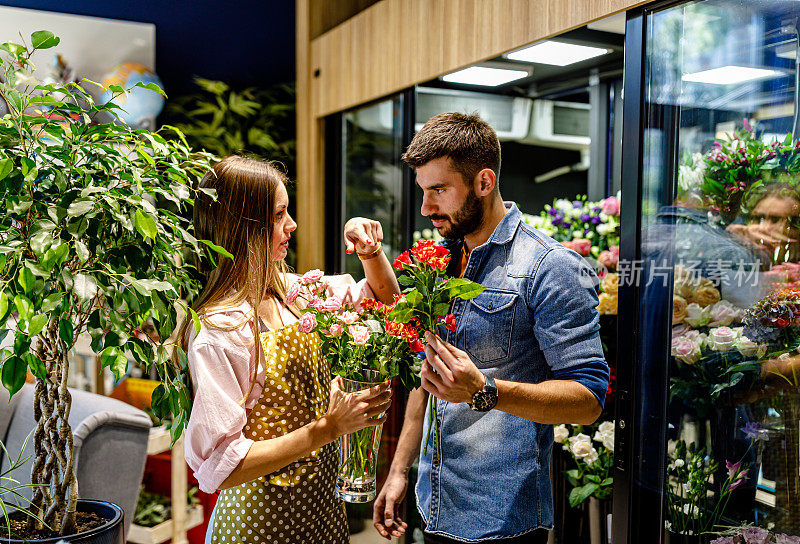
point(110, 440)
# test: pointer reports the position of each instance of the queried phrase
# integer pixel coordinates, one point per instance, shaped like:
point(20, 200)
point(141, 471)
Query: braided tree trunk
point(56, 496)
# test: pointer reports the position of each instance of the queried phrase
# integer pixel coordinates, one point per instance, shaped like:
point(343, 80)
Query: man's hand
point(448, 373)
point(362, 235)
point(385, 516)
point(759, 236)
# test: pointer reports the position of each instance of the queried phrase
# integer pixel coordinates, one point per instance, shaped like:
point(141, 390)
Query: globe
point(141, 106)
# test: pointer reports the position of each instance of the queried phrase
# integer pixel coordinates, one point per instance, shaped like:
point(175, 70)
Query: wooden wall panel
point(394, 44)
point(326, 14)
point(390, 46)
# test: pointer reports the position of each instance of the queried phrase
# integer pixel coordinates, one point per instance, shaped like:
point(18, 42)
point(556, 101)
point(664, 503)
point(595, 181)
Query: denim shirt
point(537, 315)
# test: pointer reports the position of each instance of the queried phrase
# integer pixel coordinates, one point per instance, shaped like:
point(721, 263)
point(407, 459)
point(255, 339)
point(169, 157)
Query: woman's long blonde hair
point(241, 220)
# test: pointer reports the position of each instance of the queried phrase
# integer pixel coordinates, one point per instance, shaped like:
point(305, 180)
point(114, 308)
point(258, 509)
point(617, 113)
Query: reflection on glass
point(721, 271)
point(373, 140)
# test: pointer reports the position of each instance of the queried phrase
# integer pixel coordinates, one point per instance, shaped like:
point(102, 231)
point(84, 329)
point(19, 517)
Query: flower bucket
point(358, 452)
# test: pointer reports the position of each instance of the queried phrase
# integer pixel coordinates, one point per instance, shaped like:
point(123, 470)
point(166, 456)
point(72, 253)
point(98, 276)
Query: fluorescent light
point(729, 75)
point(487, 77)
point(556, 53)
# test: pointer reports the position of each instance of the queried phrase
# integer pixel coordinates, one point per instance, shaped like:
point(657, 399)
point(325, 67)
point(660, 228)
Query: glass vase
point(358, 452)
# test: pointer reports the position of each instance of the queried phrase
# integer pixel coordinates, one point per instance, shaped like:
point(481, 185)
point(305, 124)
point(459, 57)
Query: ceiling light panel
point(556, 53)
point(731, 75)
point(484, 76)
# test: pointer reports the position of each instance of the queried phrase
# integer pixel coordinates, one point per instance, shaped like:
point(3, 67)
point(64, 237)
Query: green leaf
point(195, 320)
point(66, 331)
point(51, 302)
point(145, 224)
point(401, 314)
point(6, 166)
point(41, 242)
point(182, 359)
point(55, 256)
point(44, 39)
point(14, 373)
point(3, 306)
point(37, 323)
point(24, 307)
point(84, 286)
point(80, 207)
point(26, 280)
point(82, 250)
point(441, 309)
point(219, 249)
point(466, 292)
point(405, 280)
point(115, 359)
point(154, 285)
point(36, 365)
point(580, 494)
point(414, 297)
point(152, 87)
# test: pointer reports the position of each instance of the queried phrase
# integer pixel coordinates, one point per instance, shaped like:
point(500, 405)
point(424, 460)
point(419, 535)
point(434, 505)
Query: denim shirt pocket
point(490, 318)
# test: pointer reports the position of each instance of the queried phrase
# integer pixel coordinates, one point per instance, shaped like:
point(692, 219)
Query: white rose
point(608, 441)
point(679, 462)
point(746, 347)
point(560, 433)
point(697, 316)
point(722, 339)
point(427, 234)
point(606, 427)
point(592, 457)
point(581, 449)
point(602, 229)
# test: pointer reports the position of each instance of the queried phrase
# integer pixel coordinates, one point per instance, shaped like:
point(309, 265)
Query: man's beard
point(466, 220)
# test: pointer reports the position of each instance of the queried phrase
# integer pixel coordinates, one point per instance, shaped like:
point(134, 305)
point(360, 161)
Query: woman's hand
point(350, 412)
point(362, 235)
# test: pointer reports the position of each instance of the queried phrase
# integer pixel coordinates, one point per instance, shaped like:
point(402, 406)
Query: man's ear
point(485, 181)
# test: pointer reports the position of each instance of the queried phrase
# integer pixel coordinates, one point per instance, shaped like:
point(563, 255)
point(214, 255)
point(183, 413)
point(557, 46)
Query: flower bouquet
point(754, 535)
point(692, 506)
point(362, 350)
point(593, 476)
point(425, 304)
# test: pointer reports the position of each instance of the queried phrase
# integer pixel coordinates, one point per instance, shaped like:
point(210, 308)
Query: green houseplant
point(92, 240)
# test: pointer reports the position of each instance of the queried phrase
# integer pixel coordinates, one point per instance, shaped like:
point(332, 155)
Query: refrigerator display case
point(708, 412)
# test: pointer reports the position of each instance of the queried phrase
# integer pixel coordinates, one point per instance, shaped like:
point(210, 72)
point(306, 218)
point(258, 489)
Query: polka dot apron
point(296, 503)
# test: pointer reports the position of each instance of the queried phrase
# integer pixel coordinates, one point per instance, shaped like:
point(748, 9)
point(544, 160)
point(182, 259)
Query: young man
point(525, 354)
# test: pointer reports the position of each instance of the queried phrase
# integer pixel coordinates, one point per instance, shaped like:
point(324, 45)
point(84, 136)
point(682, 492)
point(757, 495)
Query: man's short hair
point(468, 141)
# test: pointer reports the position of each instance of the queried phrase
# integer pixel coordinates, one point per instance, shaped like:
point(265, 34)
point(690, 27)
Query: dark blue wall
point(245, 42)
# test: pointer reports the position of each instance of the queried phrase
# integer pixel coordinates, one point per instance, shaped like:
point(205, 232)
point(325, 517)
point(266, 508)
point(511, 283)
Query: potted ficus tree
point(93, 238)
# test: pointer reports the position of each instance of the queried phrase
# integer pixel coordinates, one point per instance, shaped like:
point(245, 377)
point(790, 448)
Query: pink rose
point(608, 258)
point(312, 276)
point(307, 323)
point(611, 206)
point(687, 351)
point(348, 317)
point(292, 292)
point(337, 329)
point(680, 330)
point(723, 313)
point(315, 303)
point(332, 304)
point(359, 333)
point(582, 246)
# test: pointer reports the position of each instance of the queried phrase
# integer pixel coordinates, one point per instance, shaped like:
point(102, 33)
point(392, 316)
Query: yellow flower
point(610, 284)
point(678, 309)
point(706, 295)
point(607, 304)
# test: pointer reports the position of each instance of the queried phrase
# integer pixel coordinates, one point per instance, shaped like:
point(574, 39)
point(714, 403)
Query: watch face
point(483, 401)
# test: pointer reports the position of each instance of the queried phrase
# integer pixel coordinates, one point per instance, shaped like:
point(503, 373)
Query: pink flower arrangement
point(611, 206)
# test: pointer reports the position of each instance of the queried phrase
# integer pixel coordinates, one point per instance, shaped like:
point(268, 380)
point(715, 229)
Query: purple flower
point(747, 125)
point(596, 220)
point(723, 540)
point(733, 468)
point(755, 535)
point(557, 221)
point(586, 231)
point(552, 211)
point(754, 431)
point(577, 204)
point(786, 539)
point(567, 224)
point(585, 217)
point(596, 209)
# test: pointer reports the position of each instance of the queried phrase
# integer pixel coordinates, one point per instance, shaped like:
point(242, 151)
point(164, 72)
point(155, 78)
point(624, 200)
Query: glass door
point(709, 413)
point(370, 182)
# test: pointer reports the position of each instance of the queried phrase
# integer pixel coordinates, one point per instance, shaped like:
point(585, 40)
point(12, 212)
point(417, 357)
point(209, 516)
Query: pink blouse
point(223, 364)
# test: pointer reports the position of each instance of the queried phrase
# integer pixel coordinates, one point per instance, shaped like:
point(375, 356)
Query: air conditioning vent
point(559, 124)
point(509, 116)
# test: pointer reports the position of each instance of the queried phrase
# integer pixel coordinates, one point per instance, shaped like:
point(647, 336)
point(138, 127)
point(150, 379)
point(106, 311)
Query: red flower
point(369, 303)
point(410, 333)
point(417, 346)
point(401, 260)
point(392, 327)
point(450, 322)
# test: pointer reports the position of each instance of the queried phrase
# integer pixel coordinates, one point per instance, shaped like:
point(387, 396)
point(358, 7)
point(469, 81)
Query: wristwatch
point(485, 399)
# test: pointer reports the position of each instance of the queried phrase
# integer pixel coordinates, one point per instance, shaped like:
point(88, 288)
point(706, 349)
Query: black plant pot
point(111, 532)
